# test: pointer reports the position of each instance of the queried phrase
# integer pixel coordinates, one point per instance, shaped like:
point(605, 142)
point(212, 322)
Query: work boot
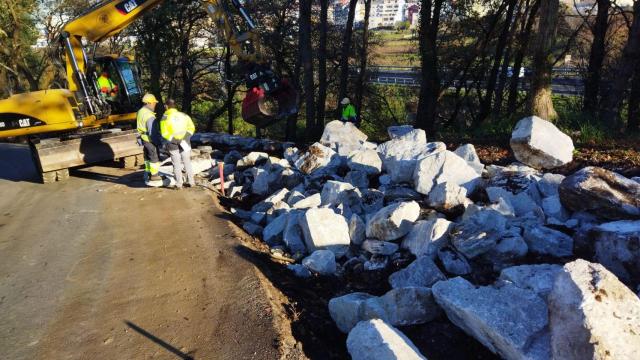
point(155, 178)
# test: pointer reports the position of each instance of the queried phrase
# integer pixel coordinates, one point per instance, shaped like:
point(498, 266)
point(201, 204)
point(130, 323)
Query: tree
point(363, 58)
point(306, 60)
point(430, 79)
point(346, 50)
point(322, 64)
point(610, 112)
point(596, 57)
point(540, 102)
point(524, 37)
point(633, 120)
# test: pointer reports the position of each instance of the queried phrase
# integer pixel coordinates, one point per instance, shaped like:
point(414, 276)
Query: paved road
point(560, 85)
point(102, 268)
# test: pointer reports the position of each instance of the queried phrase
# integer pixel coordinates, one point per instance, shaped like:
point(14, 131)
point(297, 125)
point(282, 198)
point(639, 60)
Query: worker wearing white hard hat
point(148, 130)
point(348, 111)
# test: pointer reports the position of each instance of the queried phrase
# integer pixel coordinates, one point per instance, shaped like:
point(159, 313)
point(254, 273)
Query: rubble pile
point(348, 205)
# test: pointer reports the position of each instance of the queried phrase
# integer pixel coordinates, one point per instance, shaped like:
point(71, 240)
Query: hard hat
point(149, 99)
point(345, 101)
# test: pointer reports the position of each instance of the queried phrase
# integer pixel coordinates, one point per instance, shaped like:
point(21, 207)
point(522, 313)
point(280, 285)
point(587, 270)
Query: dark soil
point(621, 156)
point(313, 327)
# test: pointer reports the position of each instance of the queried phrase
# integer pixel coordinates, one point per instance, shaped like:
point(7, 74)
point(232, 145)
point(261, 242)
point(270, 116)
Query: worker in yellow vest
point(107, 88)
point(149, 135)
point(176, 128)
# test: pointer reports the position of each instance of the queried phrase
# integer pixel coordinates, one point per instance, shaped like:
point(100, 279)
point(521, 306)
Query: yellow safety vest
point(143, 116)
point(105, 82)
point(176, 125)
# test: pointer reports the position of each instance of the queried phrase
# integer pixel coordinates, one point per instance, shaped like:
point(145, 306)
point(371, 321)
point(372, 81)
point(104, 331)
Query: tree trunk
point(364, 52)
point(596, 58)
point(485, 105)
point(523, 44)
point(430, 80)
point(307, 65)
point(633, 121)
point(540, 102)
point(230, 90)
point(346, 49)
point(611, 103)
point(322, 65)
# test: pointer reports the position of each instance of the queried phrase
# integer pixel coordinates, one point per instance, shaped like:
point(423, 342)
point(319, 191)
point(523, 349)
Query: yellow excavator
point(82, 125)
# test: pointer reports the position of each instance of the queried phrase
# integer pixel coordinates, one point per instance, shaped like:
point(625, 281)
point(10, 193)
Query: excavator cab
point(117, 83)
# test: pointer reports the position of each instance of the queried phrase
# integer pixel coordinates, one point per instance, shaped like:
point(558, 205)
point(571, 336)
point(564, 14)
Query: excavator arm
point(109, 18)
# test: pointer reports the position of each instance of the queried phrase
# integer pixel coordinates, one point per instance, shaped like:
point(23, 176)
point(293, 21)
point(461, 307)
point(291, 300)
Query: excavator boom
point(83, 112)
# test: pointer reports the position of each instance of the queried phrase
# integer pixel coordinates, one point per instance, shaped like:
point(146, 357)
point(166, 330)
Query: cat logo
point(128, 6)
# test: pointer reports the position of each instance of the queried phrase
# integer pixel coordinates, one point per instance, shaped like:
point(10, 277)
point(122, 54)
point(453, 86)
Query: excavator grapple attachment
point(262, 109)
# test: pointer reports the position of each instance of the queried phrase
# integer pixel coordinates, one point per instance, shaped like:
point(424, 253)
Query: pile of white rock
point(346, 203)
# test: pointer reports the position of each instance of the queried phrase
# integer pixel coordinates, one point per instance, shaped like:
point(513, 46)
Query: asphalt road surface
point(100, 267)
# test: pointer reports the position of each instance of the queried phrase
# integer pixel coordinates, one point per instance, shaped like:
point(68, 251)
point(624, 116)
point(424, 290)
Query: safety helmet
point(149, 99)
point(345, 101)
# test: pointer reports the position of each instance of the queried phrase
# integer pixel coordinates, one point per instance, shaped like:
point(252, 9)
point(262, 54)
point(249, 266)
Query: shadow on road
point(110, 175)
point(157, 340)
point(16, 163)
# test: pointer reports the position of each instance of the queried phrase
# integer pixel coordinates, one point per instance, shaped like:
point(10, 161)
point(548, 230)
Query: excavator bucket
point(262, 109)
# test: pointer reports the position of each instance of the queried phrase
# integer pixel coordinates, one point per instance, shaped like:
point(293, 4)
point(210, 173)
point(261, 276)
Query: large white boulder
point(316, 157)
point(468, 153)
point(367, 161)
point(616, 245)
point(311, 201)
point(546, 241)
point(400, 154)
point(508, 321)
point(324, 229)
point(539, 144)
point(292, 235)
point(322, 262)
point(441, 167)
point(427, 237)
point(604, 193)
point(447, 196)
point(394, 221)
point(402, 306)
point(377, 340)
point(346, 311)
point(332, 190)
point(593, 315)
point(422, 272)
point(343, 137)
